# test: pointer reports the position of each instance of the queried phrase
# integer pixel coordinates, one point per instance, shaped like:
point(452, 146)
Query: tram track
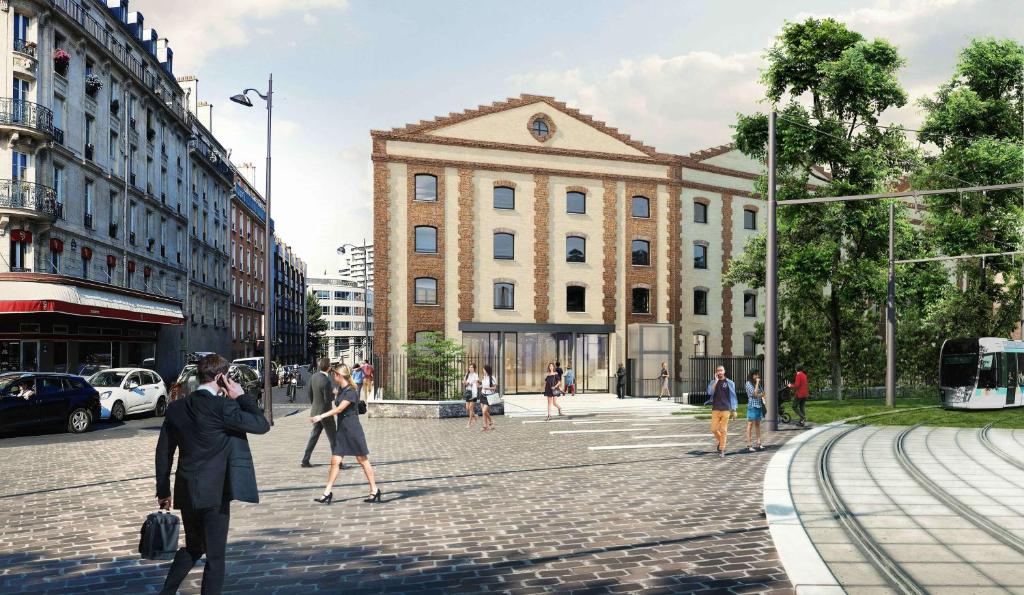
point(999, 452)
point(980, 521)
point(872, 551)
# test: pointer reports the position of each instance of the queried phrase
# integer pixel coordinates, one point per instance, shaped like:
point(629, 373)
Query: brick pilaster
point(382, 259)
point(467, 231)
point(675, 273)
point(542, 248)
point(645, 229)
point(726, 287)
point(611, 260)
point(431, 213)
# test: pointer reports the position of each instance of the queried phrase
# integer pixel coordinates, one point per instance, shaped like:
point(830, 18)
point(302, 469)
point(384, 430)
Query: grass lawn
point(821, 412)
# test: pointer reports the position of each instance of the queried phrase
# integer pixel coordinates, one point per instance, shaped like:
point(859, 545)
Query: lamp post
point(366, 294)
point(268, 302)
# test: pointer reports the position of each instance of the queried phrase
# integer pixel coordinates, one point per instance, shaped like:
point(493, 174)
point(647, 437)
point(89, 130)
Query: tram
point(981, 373)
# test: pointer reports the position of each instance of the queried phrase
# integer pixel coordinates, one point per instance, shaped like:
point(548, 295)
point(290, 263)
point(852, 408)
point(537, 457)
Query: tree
point(831, 86)
point(316, 328)
point(974, 124)
point(435, 367)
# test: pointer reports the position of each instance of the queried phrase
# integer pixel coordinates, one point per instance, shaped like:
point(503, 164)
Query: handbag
point(362, 407)
point(493, 399)
point(159, 536)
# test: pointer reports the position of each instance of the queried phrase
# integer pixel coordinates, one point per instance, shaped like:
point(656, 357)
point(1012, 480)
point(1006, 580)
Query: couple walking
point(722, 393)
point(333, 394)
point(477, 390)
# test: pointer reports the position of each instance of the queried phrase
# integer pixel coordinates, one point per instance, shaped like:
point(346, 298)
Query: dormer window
point(541, 127)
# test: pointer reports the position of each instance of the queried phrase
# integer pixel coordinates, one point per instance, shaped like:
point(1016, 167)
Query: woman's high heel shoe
point(325, 499)
point(374, 497)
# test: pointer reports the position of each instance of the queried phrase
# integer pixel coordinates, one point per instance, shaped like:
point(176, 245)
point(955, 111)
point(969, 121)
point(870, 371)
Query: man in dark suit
point(321, 399)
point(215, 466)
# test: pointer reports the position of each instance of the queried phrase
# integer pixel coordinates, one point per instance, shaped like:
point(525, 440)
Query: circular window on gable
point(541, 127)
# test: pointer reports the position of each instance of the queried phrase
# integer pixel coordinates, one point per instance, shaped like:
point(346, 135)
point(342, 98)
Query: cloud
point(310, 19)
point(203, 26)
point(680, 103)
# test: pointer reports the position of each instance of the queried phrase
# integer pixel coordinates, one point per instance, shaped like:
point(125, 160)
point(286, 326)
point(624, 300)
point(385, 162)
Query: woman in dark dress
point(350, 439)
point(552, 388)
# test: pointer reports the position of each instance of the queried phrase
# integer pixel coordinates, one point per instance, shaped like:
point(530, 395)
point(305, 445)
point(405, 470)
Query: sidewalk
point(590, 403)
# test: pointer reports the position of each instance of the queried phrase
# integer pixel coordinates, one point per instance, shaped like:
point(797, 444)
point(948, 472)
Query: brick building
point(289, 330)
point(533, 233)
point(248, 228)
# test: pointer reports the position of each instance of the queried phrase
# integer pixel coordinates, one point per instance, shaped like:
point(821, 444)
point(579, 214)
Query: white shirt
point(471, 381)
point(487, 385)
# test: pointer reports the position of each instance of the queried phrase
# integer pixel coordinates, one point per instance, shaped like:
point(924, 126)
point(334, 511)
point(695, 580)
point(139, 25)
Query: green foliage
point(435, 367)
point(830, 86)
point(974, 124)
point(316, 328)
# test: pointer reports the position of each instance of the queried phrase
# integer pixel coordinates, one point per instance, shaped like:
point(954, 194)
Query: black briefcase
point(159, 536)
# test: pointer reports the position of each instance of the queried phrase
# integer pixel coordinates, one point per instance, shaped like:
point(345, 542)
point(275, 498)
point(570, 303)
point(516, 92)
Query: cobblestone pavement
point(531, 507)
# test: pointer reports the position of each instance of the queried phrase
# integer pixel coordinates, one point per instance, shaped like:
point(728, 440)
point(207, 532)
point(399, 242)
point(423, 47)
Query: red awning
point(21, 297)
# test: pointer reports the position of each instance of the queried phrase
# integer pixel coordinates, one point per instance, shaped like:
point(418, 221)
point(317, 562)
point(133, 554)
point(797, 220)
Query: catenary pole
point(771, 287)
point(890, 316)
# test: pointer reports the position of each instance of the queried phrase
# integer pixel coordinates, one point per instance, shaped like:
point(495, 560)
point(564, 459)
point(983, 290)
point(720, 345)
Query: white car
point(126, 391)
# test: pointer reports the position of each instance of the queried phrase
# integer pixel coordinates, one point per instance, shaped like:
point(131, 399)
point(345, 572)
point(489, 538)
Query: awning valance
point(20, 297)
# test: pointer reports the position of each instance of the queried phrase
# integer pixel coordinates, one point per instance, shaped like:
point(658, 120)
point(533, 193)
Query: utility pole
point(771, 288)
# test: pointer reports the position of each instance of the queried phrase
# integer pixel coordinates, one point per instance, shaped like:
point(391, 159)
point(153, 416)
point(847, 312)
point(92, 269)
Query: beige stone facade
point(514, 168)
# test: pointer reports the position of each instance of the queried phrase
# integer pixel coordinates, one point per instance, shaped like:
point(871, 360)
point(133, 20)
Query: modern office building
point(341, 303)
point(94, 211)
point(289, 330)
point(357, 263)
point(532, 233)
point(248, 228)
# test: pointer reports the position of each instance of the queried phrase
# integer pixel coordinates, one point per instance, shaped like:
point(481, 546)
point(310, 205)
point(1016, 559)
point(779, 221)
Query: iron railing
point(422, 377)
point(25, 46)
point(19, 194)
point(18, 112)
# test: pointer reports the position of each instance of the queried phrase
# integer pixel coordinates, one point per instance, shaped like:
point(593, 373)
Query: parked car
point(256, 363)
point(87, 370)
point(127, 391)
point(31, 400)
point(188, 382)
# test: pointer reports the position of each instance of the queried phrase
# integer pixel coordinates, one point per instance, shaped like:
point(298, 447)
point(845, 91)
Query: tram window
point(959, 369)
point(988, 373)
point(1020, 369)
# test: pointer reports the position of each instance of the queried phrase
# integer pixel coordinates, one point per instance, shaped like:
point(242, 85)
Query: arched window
point(641, 253)
point(700, 212)
point(426, 187)
point(641, 300)
point(749, 219)
point(575, 249)
point(700, 301)
point(504, 296)
point(748, 344)
point(504, 197)
point(575, 298)
point(700, 256)
point(426, 291)
point(504, 246)
point(575, 202)
point(641, 207)
point(426, 239)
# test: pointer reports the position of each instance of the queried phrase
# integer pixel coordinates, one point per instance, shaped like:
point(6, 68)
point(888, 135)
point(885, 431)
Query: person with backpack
point(488, 387)
point(570, 381)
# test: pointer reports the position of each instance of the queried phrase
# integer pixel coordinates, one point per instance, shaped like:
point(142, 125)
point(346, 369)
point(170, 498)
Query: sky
point(671, 73)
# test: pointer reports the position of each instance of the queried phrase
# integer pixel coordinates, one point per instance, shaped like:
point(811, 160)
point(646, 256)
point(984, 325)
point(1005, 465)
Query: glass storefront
point(524, 357)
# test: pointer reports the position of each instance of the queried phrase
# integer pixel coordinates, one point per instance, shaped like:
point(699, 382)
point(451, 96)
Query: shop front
point(50, 323)
point(520, 353)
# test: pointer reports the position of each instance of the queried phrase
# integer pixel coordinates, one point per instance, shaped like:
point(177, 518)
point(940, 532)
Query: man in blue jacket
point(208, 429)
point(722, 392)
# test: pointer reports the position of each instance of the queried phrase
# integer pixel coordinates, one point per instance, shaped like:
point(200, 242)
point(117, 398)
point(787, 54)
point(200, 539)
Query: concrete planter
point(423, 409)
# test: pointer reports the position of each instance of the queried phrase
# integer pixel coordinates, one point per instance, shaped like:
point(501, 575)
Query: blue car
point(30, 400)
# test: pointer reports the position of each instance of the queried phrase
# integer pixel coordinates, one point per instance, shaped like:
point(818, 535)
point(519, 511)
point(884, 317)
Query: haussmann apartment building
point(532, 233)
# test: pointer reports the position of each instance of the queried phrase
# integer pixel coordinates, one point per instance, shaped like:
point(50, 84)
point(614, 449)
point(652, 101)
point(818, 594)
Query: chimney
point(164, 55)
point(190, 84)
point(135, 22)
point(119, 8)
point(204, 113)
point(248, 170)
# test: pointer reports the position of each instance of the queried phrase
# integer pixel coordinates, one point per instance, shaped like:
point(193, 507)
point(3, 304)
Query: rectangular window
point(641, 300)
point(504, 296)
point(700, 345)
point(426, 187)
point(85, 267)
point(54, 262)
point(575, 202)
point(748, 345)
point(749, 219)
point(750, 305)
point(700, 302)
point(21, 23)
point(19, 165)
point(89, 204)
point(58, 183)
point(700, 212)
point(575, 299)
point(504, 197)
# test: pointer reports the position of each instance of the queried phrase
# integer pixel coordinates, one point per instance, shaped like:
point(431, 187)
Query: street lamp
point(366, 293)
point(268, 302)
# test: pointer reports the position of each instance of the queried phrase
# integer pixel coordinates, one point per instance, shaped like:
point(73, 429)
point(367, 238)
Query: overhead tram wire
point(895, 126)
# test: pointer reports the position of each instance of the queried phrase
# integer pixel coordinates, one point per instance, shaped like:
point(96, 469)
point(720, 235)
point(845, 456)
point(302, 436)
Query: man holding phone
point(215, 466)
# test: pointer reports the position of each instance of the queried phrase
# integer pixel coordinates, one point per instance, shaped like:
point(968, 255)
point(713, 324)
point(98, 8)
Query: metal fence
point(423, 377)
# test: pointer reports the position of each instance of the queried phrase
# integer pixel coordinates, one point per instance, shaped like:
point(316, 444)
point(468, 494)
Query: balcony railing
point(19, 194)
point(25, 47)
point(19, 112)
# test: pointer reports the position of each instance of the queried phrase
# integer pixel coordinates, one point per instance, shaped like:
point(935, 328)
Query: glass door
point(30, 356)
point(592, 362)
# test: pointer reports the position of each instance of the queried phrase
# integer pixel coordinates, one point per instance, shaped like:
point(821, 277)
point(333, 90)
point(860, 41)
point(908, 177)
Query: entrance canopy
point(24, 293)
